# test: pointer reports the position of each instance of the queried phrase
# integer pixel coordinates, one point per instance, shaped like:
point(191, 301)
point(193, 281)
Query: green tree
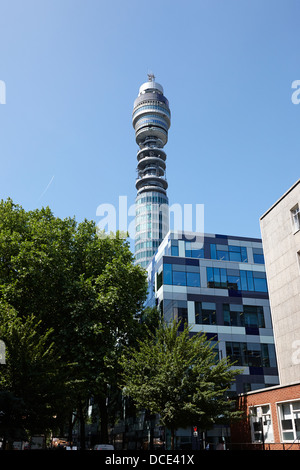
point(11, 419)
point(80, 286)
point(179, 377)
point(28, 379)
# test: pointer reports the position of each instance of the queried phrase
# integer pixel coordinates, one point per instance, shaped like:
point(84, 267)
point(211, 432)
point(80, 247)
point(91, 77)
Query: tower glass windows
point(151, 122)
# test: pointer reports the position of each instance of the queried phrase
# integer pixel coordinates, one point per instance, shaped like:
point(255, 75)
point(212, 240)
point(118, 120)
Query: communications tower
point(151, 121)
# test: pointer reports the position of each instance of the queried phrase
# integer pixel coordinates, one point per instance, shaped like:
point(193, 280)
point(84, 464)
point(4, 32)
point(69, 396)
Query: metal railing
point(264, 446)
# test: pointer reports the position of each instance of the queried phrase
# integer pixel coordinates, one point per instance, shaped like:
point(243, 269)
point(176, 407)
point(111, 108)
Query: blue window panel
point(223, 277)
point(234, 281)
point(197, 253)
point(260, 285)
point(217, 277)
point(250, 280)
point(258, 258)
point(167, 274)
point(210, 275)
point(213, 252)
point(261, 275)
point(234, 248)
point(222, 255)
point(193, 279)
point(235, 256)
point(174, 251)
point(272, 355)
point(244, 284)
point(244, 254)
point(179, 278)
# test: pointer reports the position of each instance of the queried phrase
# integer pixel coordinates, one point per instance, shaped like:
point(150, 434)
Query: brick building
point(272, 419)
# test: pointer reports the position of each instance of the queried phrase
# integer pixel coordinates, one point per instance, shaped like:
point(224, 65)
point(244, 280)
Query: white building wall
point(281, 243)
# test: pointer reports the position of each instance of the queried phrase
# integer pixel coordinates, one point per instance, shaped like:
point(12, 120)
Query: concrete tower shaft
point(151, 119)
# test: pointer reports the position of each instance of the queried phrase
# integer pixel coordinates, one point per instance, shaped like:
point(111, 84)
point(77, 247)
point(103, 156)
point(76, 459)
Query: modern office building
point(217, 284)
point(151, 121)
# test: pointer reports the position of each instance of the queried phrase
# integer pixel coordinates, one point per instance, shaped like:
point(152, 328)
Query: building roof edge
point(282, 197)
point(267, 389)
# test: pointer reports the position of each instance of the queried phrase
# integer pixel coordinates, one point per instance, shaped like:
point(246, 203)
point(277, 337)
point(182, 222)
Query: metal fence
point(264, 446)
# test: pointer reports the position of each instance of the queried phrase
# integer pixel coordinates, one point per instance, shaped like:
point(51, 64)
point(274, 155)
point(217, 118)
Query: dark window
point(175, 310)
point(233, 317)
point(258, 256)
point(159, 280)
point(205, 313)
point(254, 316)
point(250, 354)
point(251, 316)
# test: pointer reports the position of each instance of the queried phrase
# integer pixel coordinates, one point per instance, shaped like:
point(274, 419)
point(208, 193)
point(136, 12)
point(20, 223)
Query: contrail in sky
point(47, 187)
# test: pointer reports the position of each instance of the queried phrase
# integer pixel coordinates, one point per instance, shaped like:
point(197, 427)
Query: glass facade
point(251, 316)
point(222, 292)
point(176, 276)
point(251, 354)
point(217, 285)
point(229, 253)
point(224, 278)
point(151, 225)
point(220, 278)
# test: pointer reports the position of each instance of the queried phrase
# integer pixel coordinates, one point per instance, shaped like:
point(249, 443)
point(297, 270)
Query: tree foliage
point(30, 372)
point(71, 295)
point(179, 376)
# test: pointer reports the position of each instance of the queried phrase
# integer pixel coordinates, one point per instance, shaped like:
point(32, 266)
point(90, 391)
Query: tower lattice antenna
point(151, 77)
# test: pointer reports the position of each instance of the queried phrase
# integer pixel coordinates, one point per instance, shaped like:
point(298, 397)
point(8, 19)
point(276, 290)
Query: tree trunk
point(103, 420)
point(82, 425)
point(70, 428)
point(172, 438)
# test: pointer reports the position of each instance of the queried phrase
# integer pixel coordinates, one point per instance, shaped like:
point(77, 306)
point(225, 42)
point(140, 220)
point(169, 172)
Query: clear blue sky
point(72, 70)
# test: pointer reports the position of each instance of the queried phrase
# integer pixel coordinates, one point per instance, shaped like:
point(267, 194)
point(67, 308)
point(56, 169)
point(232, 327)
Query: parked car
point(103, 447)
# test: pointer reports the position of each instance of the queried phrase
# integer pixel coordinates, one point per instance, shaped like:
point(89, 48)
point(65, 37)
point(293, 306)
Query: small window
point(258, 256)
point(295, 213)
point(289, 421)
point(261, 424)
point(193, 279)
point(174, 251)
point(205, 313)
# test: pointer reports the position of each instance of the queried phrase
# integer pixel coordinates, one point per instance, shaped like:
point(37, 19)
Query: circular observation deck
point(150, 152)
point(152, 162)
point(151, 183)
point(151, 116)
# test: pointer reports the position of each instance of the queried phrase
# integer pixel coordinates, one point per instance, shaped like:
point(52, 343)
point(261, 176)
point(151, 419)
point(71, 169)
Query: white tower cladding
point(151, 121)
